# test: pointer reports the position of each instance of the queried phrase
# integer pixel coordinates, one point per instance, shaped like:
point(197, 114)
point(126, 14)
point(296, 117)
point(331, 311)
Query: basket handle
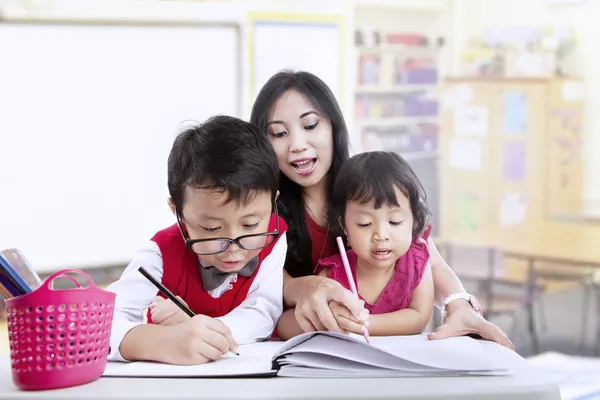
point(62, 274)
point(70, 278)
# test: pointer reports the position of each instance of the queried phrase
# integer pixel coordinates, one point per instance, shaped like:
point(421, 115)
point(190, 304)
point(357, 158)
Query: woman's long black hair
point(291, 203)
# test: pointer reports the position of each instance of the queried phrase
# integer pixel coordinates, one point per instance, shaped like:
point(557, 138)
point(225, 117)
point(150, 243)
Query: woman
point(305, 125)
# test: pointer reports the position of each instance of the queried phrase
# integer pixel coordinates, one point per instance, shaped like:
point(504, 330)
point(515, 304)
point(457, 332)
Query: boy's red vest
point(181, 274)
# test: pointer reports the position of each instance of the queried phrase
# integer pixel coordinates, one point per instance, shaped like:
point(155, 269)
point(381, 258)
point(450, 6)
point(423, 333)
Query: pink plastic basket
point(59, 338)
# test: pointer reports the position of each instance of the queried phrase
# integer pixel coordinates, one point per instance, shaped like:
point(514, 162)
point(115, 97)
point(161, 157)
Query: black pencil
point(166, 292)
point(169, 294)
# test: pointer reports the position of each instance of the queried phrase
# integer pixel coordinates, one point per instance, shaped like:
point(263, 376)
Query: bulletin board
point(307, 42)
point(518, 189)
point(89, 114)
point(510, 154)
point(465, 165)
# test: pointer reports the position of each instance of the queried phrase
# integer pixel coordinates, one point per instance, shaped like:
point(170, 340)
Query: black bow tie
point(212, 278)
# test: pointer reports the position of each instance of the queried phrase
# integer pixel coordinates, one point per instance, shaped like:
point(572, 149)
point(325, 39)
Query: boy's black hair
point(290, 202)
point(223, 153)
point(372, 176)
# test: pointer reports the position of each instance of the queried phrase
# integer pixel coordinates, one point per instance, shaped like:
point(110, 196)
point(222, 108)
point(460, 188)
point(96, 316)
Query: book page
point(354, 352)
point(404, 353)
point(254, 359)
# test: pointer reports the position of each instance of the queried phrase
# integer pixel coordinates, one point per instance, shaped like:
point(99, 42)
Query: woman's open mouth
point(304, 166)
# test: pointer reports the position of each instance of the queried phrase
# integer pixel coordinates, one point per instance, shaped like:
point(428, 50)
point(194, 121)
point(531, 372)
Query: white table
point(527, 383)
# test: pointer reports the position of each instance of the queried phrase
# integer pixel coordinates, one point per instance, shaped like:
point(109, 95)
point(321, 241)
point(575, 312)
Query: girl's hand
point(199, 340)
point(312, 308)
point(165, 312)
point(346, 320)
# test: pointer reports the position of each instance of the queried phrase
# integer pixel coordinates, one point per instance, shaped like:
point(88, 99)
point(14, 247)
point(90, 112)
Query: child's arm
point(198, 340)
point(134, 295)
point(256, 317)
point(409, 321)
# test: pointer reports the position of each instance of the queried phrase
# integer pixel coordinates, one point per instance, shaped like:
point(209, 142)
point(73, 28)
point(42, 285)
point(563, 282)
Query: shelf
point(400, 88)
point(392, 121)
point(409, 51)
point(403, 5)
point(418, 155)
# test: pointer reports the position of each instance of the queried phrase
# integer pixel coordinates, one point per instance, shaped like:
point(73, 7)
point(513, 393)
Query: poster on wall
point(471, 121)
point(572, 91)
point(468, 210)
point(512, 209)
point(465, 154)
point(514, 113)
point(457, 96)
point(514, 161)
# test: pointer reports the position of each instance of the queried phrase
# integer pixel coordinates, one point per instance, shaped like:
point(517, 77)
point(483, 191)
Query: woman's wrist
point(457, 305)
point(294, 287)
point(460, 300)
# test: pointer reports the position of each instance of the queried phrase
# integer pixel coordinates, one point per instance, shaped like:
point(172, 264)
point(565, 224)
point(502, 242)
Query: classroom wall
point(471, 17)
point(149, 175)
point(226, 10)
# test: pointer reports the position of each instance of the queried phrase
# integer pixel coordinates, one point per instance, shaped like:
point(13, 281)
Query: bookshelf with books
point(396, 103)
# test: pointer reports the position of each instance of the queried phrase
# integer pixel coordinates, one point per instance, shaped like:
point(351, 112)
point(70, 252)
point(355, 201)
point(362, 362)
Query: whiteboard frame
point(152, 23)
point(237, 26)
point(297, 20)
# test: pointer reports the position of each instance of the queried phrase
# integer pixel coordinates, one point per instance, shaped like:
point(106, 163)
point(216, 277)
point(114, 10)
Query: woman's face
point(302, 139)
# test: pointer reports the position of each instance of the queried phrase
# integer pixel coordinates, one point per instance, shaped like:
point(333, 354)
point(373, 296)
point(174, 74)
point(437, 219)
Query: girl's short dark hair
point(290, 201)
point(375, 175)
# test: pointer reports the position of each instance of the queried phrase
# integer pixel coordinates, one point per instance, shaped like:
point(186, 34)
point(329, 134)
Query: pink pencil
point(340, 243)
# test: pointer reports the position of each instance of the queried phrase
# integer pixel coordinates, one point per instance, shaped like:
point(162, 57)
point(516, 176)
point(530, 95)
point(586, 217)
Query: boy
point(223, 257)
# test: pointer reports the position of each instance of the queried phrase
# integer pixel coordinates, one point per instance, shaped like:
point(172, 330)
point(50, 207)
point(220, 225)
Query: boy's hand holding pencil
point(199, 340)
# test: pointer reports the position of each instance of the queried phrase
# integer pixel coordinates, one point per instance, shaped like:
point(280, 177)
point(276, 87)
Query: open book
point(331, 355)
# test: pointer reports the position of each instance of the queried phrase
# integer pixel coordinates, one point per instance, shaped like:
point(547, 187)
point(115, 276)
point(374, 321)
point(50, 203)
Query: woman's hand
point(165, 312)
point(463, 320)
point(313, 312)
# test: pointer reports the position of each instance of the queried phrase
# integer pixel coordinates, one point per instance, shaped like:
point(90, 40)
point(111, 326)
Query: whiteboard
point(88, 114)
point(305, 46)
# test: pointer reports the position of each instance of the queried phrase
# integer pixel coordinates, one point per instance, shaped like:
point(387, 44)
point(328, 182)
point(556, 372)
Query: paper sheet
point(254, 359)
point(572, 91)
point(513, 209)
point(514, 113)
point(578, 377)
point(467, 212)
point(459, 95)
point(514, 161)
point(471, 121)
point(465, 154)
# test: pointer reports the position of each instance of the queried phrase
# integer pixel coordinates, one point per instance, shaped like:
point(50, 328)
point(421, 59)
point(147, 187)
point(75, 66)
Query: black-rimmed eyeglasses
point(217, 245)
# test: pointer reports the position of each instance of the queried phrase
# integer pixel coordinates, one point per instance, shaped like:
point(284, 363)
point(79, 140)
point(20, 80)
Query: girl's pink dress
point(407, 276)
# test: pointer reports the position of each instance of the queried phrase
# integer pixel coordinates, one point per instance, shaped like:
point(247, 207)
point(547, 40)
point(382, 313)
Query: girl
point(379, 204)
point(304, 123)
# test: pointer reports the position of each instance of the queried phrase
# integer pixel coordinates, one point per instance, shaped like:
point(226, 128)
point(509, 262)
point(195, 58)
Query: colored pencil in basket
point(20, 287)
point(7, 290)
point(19, 263)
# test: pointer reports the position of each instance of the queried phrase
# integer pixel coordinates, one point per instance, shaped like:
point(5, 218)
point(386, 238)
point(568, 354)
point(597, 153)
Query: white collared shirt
point(253, 320)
